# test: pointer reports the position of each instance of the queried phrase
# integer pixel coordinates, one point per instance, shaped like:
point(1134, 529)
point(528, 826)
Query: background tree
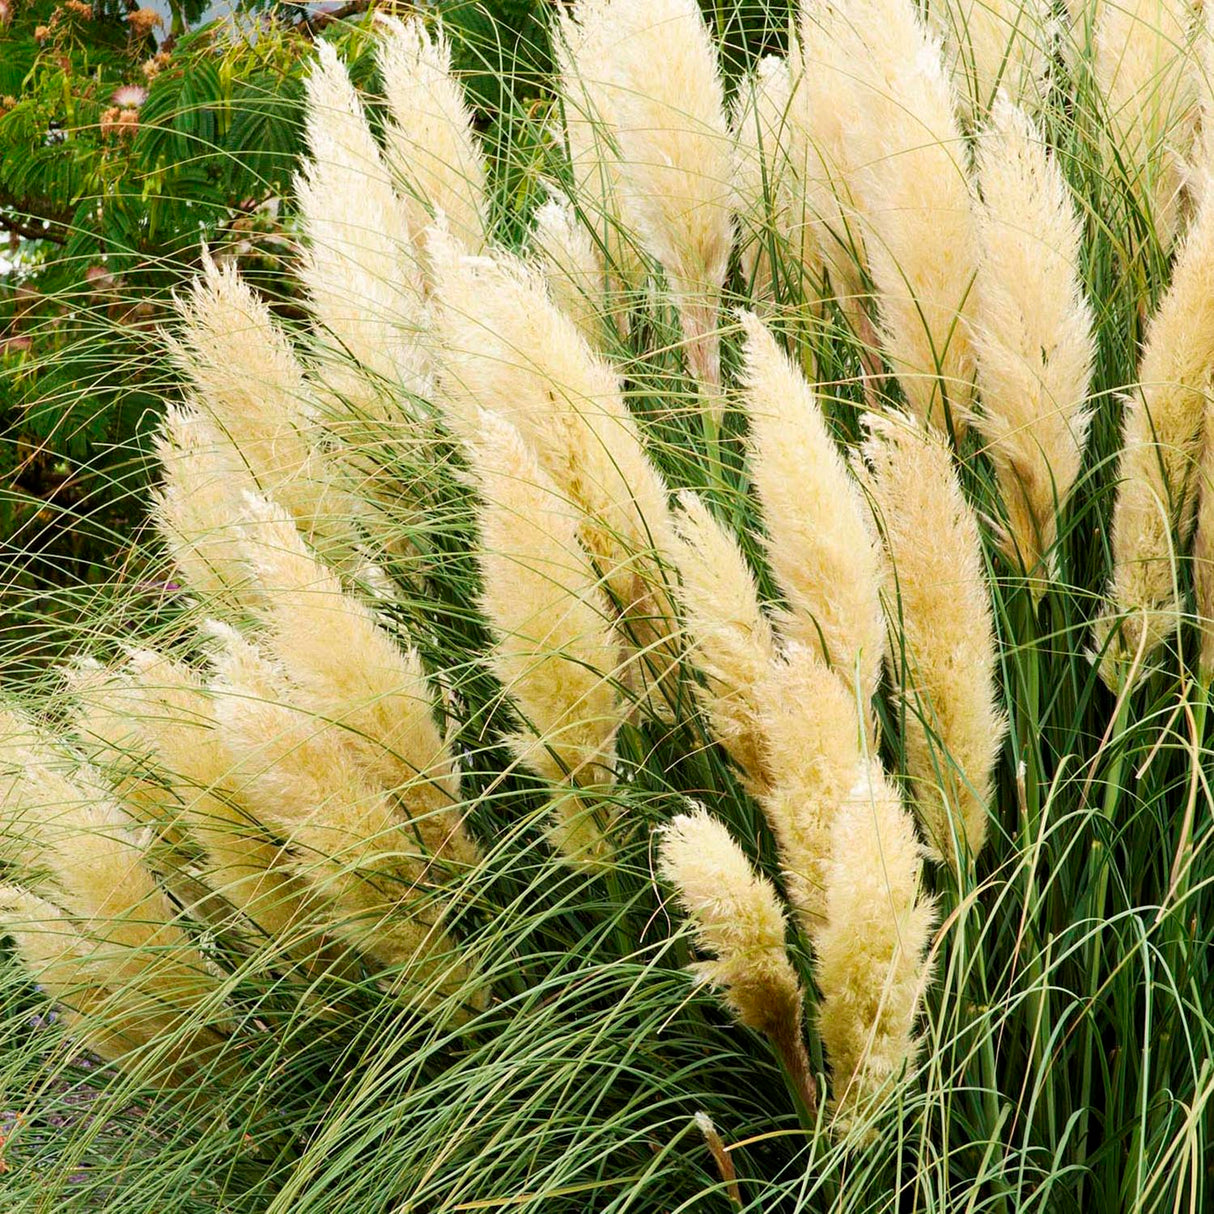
point(129, 139)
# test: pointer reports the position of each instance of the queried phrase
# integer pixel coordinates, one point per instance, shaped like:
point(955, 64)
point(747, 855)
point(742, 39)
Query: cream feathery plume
point(908, 175)
point(1146, 74)
point(112, 741)
point(821, 544)
point(555, 650)
point(768, 194)
point(945, 670)
point(736, 916)
point(994, 45)
point(1163, 427)
point(792, 726)
point(871, 954)
point(650, 69)
point(812, 734)
point(109, 1021)
point(345, 668)
point(1200, 170)
point(1203, 558)
point(820, 153)
point(594, 154)
point(1032, 331)
point(431, 147)
point(78, 851)
point(360, 266)
point(348, 838)
point(153, 723)
point(731, 638)
point(245, 374)
point(197, 506)
point(509, 349)
point(574, 267)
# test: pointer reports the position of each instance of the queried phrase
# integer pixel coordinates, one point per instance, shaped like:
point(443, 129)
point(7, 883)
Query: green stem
point(789, 1048)
point(1092, 954)
point(1028, 711)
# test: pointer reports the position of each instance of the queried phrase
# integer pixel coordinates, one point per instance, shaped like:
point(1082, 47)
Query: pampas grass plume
point(730, 636)
point(820, 540)
point(509, 349)
point(431, 147)
point(736, 916)
point(1032, 330)
point(153, 724)
point(1146, 76)
point(945, 670)
point(344, 667)
point(996, 45)
point(654, 65)
point(1163, 430)
point(245, 374)
point(574, 267)
point(871, 967)
point(555, 652)
point(361, 267)
point(812, 729)
point(111, 1021)
point(78, 851)
point(823, 77)
point(196, 507)
point(909, 179)
point(349, 840)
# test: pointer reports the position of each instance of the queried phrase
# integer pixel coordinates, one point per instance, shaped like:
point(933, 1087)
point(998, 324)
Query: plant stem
point(1092, 954)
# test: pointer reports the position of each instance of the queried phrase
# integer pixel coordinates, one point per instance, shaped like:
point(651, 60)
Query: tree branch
point(26, 216)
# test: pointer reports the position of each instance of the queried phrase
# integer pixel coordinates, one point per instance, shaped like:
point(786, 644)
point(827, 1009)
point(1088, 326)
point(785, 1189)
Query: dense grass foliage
point(512, 1025)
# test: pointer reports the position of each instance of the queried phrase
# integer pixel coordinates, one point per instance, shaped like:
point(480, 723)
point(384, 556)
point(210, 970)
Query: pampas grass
point(736, 917)
point(1144, 69)
point(649, 70)
point(944, 667)
point(906, 171)
point(820, 541)
point(431, 147)
point(1163, 427)
point(655, 546)
point(871, 952)
point(994, 45)
point(556, 650)
point(1032, 332)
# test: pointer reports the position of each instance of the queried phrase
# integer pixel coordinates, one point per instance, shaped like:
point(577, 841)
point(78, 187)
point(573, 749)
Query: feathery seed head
point(820, 541)
point(945, 668)
point(812, 729)
point(555, 652)
point(736, 916)
point(197, 508)
point(871, 966)
point(431, 147)
point(361, 267)
point(508, 349)
point(574, 267)
point(244, 372)
point(1146, 72)
point(1163, 425)
point(1032, 331)
point(649, 69)
point(730, 636)
point(994, 45)
point(908, 177)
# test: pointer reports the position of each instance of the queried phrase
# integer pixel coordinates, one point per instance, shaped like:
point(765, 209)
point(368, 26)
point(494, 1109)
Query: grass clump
point(705, 572)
